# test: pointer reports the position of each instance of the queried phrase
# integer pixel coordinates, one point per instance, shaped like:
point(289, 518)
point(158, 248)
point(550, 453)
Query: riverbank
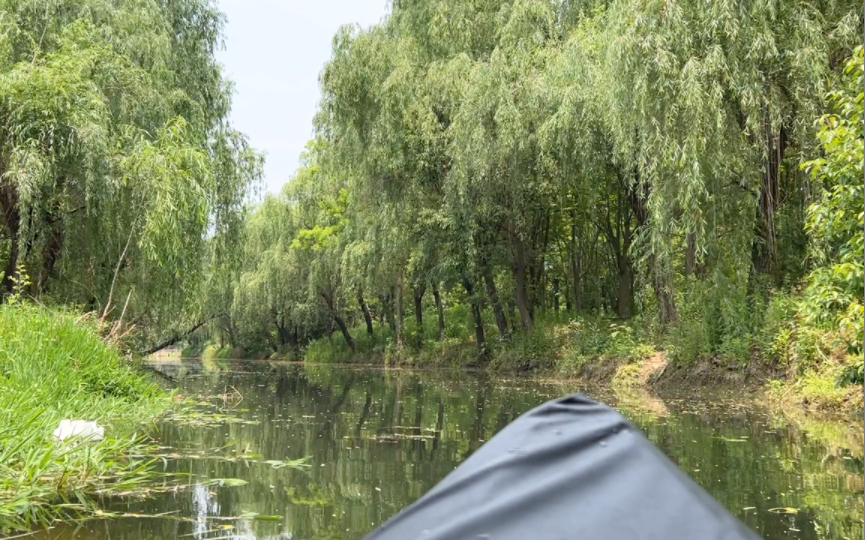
point(54, 366)
point(779, 366)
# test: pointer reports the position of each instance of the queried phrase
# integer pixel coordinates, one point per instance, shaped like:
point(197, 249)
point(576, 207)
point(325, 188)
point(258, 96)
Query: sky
point(274, 52)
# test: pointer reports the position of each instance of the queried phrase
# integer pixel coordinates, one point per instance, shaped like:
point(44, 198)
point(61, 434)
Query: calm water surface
point(378, 440)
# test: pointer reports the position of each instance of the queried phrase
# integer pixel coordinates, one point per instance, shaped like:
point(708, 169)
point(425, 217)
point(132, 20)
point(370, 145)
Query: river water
point(377, 440)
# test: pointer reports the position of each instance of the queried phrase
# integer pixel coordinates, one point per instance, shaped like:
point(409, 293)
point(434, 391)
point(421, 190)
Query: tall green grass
point(53, 365)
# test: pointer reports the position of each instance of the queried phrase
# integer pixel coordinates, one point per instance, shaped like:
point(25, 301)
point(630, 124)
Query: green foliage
point(123, 186)
point(835, 220)
point(533, 349)
point(53, 365)
point(578, 183)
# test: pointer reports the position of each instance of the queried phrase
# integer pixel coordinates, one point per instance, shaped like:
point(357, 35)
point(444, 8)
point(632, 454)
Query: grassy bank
point(53, 365)
point(782, 357)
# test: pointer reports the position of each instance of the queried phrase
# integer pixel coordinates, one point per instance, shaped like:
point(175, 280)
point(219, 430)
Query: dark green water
point(378, 440)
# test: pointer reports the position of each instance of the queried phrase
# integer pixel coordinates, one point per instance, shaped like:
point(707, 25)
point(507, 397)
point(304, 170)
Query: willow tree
point(121, 179)
point(270, 301)
point(321, 202)
point(626, 156)
point(387, 142)
point(711, 104)
point(499, 178)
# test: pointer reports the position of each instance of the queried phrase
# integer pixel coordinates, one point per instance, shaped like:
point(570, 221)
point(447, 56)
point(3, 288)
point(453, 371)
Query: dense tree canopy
point(633, 159)
point(122, 185)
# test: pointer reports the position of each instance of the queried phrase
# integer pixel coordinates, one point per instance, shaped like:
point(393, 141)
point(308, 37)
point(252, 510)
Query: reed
point(54, 365)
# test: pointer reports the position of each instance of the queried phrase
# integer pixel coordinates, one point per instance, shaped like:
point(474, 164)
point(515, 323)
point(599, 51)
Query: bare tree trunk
point(177, 337)
point(283, 333)
point(345, 334)
point(328, 299)
point(537, 271)
point(296, 343)
point(291, 340)
point(556, 295)
point(492, 293)
point(575, 264)
point(418, 312)
point(387, 308)
point(513, 316)
point(365, 309)
point(577, 270)
point(625, 296)
point(50, 256)
point(400, 337)
point(662, 283)
point(690, 253)
point(520, 293)
point(480, 341)
point(568, 305)
point(439, 310)
point(13, 226)
point(764, 248)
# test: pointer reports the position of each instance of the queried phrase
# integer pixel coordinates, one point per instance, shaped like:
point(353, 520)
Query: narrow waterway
point(376, 440)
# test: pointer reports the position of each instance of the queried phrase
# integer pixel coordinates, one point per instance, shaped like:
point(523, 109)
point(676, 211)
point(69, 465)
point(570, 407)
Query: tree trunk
point(556, 295)
point(284, 335)
point(520, 293)
point(537, 289)
point(176, 337)
point(476, 315)
point(400, 337)
point(492, 293)
point(342, 328)
point(439, 310)
point(512, 313)
point(291, 340)
point(328, 299)
point(578, 285)
point(365, 309)
point(418, 312)
point(13, 226)
point(764, 249)
point(50, 256)
point(387, 307)
point(690, 254)
point(568, 305)
point(625, 296)
point(576, 270)
point(662, 283)
point(575, 265)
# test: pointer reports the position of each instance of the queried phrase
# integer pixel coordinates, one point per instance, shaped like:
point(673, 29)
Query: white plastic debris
point(79, 428)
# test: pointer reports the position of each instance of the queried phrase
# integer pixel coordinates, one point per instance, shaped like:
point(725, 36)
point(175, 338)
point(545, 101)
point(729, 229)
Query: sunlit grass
point(53, 366)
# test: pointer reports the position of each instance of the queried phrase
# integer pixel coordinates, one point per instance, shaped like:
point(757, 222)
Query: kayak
point(571, 468)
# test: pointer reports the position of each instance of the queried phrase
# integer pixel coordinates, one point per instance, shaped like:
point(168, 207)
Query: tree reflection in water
point(377, 440)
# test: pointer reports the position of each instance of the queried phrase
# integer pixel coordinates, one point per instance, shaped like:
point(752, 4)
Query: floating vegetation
point(205, 418)
point(225, 482)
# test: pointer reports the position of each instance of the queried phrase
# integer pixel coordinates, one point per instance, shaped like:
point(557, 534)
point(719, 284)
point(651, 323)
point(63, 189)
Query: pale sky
point(274, 52)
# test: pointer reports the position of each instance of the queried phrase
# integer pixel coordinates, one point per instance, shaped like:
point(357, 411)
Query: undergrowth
point(53, 365)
